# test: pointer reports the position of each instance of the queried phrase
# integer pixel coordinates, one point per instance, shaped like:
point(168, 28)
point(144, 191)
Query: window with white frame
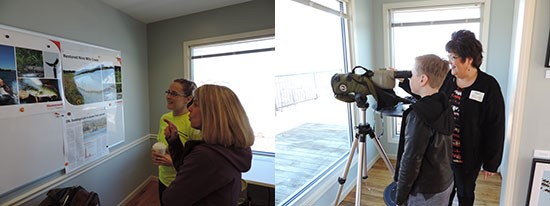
point(283, 81)
point(246, 66)
point(415, 29)
point(315, 131)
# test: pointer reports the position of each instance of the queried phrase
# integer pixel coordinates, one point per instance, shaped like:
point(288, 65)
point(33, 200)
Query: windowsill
point(262, 172)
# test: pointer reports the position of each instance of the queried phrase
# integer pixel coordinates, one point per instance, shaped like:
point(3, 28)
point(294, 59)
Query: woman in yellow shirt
point(177, 96)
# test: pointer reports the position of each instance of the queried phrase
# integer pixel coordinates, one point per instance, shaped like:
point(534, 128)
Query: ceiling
point(148, 11)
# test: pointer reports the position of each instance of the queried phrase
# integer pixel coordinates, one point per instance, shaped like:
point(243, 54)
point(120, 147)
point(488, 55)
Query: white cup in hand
point(159, 148)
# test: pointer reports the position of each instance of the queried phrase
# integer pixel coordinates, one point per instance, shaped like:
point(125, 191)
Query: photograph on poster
point(7, 95)
point(94, 127)
point(90, 84)
point(33, 80)
point(35, 90)
point(30, 63)
point(51, 63)
point(8, 85)
point(108, 82)
point(539, 186)
point(118, 81)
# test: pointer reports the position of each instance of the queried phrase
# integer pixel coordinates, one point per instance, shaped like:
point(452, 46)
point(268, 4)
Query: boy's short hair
point(434, 67)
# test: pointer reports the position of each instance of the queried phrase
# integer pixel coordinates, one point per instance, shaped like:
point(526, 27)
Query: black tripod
point(363, 129)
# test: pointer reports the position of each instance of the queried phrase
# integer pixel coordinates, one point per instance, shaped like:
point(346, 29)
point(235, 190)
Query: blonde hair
point(224, 120)
point(434, 67)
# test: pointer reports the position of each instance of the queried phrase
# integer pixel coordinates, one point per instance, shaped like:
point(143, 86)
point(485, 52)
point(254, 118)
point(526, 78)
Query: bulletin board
point(61, 105)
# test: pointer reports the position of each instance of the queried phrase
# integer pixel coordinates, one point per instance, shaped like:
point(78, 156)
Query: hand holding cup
point(159, 155)
point(159, 148)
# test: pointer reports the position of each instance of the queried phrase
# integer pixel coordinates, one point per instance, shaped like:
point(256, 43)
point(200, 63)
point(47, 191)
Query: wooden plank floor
point(147, 196)
point(487, 191)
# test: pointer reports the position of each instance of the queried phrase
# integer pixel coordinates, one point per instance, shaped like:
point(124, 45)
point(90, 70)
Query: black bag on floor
point(70, 196)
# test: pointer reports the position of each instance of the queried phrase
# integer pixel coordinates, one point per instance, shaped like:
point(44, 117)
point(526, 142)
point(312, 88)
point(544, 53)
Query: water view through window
point(283, 81)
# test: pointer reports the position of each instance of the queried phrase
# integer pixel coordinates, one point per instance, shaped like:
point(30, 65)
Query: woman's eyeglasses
point(452, 57)
point(174, 93)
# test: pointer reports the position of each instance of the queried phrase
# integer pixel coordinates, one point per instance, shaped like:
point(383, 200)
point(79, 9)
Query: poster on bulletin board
point(29, 80)
point(61, 105)
point(93, 95)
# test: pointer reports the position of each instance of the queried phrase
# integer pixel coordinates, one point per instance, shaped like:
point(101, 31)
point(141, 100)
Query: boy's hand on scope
point(400, 79)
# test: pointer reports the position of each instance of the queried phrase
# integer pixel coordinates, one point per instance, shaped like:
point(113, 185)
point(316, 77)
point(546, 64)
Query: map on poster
point(60, 102)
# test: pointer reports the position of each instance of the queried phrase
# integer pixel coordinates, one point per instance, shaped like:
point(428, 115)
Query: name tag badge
point(477, 95)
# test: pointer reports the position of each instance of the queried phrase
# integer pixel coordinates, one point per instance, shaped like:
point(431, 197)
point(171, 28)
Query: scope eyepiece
point(402, 74)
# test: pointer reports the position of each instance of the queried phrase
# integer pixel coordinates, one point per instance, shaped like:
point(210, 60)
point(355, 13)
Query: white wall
point(534, 111)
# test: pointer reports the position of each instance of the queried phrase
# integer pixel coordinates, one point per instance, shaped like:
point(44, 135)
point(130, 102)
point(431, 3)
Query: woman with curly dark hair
point(478, 108)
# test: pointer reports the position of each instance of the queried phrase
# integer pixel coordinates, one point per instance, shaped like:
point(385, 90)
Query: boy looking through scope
point(423, 172)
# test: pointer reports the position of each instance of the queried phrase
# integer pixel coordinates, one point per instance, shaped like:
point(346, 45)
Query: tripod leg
point(360, 164)
point(364, 162)
point(383, 154)
point(342, 179)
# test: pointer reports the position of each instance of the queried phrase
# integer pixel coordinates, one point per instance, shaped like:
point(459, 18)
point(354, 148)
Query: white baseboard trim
point(136, 191)
point(37, 191)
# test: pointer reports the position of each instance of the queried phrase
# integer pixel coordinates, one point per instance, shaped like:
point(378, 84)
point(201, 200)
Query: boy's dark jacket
point(482, 123)
point(425, 148)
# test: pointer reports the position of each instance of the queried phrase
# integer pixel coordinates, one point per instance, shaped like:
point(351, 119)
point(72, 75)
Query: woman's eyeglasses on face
point(174, 93)
point(452, 58)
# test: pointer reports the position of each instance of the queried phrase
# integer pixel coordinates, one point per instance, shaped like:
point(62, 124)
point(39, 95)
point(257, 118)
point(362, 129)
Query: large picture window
point(314, 131)
point(415, 29)
point(283, 80)
point(246, 66)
